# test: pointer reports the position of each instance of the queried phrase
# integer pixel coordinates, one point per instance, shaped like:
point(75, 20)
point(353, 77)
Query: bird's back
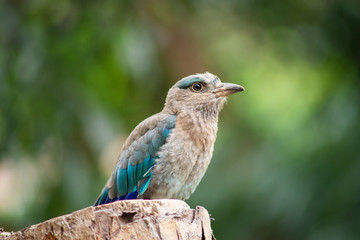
point(132, 174)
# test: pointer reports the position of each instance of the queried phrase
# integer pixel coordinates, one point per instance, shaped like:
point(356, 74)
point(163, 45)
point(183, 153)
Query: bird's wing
point(132, 174)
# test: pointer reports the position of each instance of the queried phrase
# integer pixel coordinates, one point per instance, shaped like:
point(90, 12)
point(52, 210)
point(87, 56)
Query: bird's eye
point(197, 87)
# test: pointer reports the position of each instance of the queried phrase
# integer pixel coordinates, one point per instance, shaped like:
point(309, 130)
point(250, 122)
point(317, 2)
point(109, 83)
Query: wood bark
point(128, 219)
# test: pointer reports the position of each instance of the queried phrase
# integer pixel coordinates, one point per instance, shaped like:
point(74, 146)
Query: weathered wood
point(130, 219)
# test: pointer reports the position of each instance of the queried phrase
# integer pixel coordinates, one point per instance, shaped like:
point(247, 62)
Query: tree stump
point(128, 219)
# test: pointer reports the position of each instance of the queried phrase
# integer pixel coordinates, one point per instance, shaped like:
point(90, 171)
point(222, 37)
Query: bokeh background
point(77, 76)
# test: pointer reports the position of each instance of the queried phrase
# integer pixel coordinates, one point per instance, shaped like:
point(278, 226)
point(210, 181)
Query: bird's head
point(203, 93)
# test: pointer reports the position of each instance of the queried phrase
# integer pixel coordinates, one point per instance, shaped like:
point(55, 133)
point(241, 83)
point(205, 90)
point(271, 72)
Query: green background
point(77, 76)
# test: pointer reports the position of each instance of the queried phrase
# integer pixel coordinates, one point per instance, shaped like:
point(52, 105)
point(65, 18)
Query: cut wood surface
point(128, 219)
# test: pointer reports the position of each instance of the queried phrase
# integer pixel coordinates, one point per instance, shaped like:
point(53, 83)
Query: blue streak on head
point(187, 82)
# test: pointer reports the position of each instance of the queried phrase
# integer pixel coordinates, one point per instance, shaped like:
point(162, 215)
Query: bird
point(167, 154)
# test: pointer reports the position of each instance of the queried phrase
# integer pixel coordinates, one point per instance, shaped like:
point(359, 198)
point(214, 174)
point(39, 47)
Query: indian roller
point(167, 154)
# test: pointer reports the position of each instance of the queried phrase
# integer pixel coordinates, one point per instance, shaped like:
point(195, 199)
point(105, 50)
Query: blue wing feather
point(139, 170)
point(132, 195)
point(151, 149)
point(131, 170)
point(133, 178)
point(122, 181)
point(144, 183)
point(165, 133)
point(146, 163)
point(102, 197)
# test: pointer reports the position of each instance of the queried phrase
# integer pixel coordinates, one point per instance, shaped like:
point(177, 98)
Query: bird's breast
point(184, 159)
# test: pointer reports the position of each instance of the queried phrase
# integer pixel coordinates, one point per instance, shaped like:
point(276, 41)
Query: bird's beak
point(226, 89)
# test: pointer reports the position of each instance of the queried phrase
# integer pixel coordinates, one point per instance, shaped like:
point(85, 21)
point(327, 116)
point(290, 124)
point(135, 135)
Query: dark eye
point(197, 87)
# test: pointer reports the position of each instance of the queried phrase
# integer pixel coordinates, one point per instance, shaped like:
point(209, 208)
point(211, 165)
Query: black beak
point(227, 88)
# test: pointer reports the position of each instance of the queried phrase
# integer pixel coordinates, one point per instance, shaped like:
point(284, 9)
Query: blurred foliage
point(77, 76)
